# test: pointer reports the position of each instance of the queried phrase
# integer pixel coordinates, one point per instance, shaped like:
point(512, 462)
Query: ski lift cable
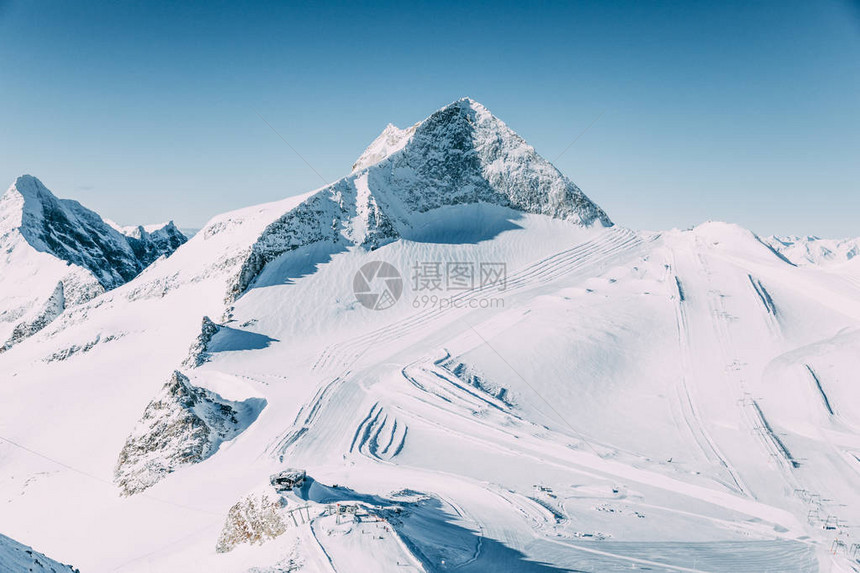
point(102, 480)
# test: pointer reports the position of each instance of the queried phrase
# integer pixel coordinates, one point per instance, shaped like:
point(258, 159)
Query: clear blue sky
point(144, 111)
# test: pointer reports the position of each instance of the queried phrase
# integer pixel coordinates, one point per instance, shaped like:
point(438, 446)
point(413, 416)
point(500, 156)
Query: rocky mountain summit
point(74, 234)
point(56, 253)
point(460, 155)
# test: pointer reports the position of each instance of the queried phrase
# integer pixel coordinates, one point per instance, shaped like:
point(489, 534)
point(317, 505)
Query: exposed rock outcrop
point(254, 519)
point(198, 353)
point(183, 425)
point(53, 307)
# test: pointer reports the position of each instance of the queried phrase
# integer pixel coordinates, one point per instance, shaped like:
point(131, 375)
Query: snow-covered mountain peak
point(468, 103)
point(461, 154)
point(56, 253)
point(140, 231)
point(72, 233)
point(30, 188)
point(28, 204)
point(26, 194)
point(390, 140)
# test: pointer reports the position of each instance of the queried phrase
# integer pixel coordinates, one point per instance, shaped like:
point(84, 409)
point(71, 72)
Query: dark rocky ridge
point(79, 236)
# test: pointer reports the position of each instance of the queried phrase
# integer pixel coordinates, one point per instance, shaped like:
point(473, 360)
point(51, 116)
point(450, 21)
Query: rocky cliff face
point(254, 519)
point(198, 353)
point(184, 424)
point(50, 245)
point(52, 308)
point(464, 154)
point(149, 243)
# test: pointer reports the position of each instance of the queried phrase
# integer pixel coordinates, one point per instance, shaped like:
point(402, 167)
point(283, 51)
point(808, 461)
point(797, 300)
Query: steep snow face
point(16, 557)
point(814, 250)
point(460, 155)
point(391, 139)
point(53, 307)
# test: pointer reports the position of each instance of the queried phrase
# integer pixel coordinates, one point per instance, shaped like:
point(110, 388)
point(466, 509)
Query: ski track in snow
point(378, 436)
point(692, 418)
point(587, 257)
point(381, 434)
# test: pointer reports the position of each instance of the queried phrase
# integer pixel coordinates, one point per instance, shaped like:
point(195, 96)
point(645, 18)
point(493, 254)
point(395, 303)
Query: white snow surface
point(391, 139)
point(677, 401)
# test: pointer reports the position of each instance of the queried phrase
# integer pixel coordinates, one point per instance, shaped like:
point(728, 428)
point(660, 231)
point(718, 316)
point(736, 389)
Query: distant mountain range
point(815, 250)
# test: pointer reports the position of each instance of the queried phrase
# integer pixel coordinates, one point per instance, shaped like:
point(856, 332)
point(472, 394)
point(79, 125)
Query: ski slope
point(643, 426)
point(676, 401)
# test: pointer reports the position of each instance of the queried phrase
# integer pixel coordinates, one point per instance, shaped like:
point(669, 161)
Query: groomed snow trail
point(631, 406)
